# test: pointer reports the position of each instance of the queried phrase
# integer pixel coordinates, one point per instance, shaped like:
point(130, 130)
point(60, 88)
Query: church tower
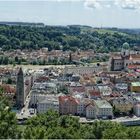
point(20, 96)
point(125, 50)
point(125, 53)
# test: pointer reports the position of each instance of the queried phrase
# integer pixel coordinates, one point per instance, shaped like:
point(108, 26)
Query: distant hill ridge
point(22, 24)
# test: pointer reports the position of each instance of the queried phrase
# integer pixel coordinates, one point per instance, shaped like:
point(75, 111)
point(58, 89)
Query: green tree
point(8, 121)
point(133, 132)
point(117, 132)
point(38, 132)
point(126, 46)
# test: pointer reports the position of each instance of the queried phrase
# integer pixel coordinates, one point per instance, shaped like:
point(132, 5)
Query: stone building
point(120, 61)
point(20, 96)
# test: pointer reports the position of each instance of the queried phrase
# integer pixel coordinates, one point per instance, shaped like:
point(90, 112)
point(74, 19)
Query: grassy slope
point(100, 31)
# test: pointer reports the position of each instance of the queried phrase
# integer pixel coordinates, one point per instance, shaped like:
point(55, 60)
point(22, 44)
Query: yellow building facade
point(124, 107)
point(135, 87)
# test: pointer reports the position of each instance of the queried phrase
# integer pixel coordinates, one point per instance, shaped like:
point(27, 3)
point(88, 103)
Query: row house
point(41, 89)
point(113, 95)
point(77, 106)
point(68, 105)
point(76, 87)
point(103, 109)
point(122, 104)
point(81, 107)
point(36, 95)
point(90, 111)
point(48, 103)
point(85, 107)
point(93, 94)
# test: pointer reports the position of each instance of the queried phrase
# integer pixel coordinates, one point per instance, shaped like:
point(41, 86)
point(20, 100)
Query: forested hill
point(135, 31)
point(66, 38)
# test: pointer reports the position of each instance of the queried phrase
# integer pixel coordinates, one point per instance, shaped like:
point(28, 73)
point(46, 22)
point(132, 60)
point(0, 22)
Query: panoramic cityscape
point(70, 69)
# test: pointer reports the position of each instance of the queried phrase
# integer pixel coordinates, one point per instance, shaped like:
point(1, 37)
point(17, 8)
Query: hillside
point(71, 37)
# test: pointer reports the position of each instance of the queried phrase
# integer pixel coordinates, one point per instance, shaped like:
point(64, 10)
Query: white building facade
point(90, 111)
point(103, 109)
point(46, 104)
point(137, 110)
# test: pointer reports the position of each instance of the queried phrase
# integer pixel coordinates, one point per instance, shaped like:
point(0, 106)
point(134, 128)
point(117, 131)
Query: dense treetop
point(64, 37)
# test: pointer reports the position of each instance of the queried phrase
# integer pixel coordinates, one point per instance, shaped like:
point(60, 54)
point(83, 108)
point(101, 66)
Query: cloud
point(124, 4)
point(98, 4)
point(128, 4)
point(94, 4)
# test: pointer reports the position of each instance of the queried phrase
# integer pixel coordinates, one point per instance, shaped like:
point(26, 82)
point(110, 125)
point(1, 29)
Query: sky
point(95, 13)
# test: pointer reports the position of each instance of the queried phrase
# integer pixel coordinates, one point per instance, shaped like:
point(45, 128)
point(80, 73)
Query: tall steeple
point(20, 96)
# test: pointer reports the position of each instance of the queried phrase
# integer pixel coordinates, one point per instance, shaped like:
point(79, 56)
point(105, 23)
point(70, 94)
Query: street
point(25, 111)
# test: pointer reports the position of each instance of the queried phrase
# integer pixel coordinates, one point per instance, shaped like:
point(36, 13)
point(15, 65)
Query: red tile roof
point(132, 66)
point(8, 88)
point(94, 93)
point(63, 99)
point(78, 89)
